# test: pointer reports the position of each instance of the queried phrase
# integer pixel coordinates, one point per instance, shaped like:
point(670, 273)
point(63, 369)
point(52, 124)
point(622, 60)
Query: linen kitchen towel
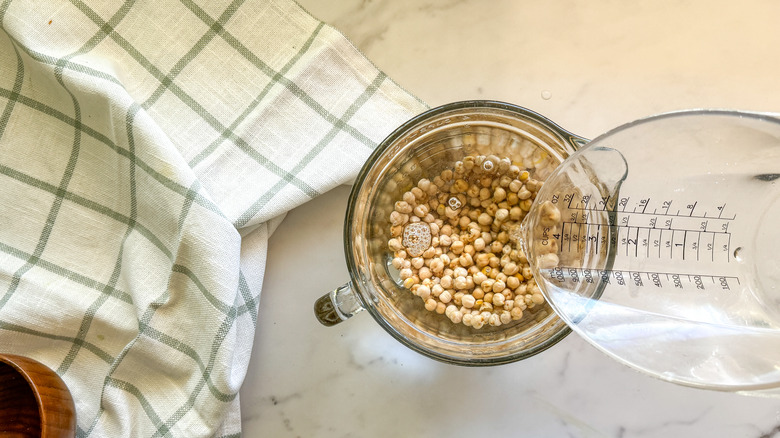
point(145, 149)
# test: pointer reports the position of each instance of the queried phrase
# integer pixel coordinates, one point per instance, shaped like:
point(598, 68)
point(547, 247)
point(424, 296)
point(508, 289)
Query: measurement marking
point(648, 242)
point(627, 239)
point(722, 208)
point(647, 227)
point(668, 275)
point(728, 250)
point(698, 247)
point(685, 238)
point(647, 202)
point(713, 248)
point(693, 207)
point(655, 212)
point(636, 244)
point(598, 237)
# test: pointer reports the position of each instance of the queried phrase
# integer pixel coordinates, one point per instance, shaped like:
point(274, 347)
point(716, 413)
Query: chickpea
point(484, 219)
point(458, 298)
point(424, 292)
point(470, 272)
point(436, 266)
point(457, 247)
point(499, 194)
point(397, 218)
point(549, 215)
point(512, 282)
point(460, 283)
point(460, 186)
point(510, 268)
point(465, 260)
point(403, 207)
point(456, 317)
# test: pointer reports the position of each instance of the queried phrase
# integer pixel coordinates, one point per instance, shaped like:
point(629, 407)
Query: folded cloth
point(145, 148)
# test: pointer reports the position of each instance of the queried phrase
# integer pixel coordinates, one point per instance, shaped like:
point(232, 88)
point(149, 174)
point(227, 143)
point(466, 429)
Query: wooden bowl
point(34, 401)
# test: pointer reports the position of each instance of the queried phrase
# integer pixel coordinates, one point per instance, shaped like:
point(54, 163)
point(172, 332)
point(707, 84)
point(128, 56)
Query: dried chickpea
point(471, 272)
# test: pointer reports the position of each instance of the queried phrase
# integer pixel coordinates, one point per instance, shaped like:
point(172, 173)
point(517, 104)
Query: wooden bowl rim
point(21, 365)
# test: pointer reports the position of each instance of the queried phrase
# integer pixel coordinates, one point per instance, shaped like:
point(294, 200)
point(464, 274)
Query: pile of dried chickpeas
point(454, 241)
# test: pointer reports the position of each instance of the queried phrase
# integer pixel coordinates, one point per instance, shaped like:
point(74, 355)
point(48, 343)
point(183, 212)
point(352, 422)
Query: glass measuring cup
point(656, 243)
point(423, 147)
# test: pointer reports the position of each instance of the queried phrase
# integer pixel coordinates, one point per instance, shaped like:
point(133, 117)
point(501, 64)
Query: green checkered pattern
point(147, 149)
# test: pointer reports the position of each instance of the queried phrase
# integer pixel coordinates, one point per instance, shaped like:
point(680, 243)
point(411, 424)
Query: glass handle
point(337, 305)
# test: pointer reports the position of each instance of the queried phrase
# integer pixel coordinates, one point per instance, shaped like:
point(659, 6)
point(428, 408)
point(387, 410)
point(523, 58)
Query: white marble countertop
point(589, 66)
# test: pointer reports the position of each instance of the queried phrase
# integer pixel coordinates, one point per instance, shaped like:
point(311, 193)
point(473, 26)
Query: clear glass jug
point(666, 247)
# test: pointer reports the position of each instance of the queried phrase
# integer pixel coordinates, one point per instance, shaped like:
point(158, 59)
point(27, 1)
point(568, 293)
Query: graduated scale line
point(575, 235)
point(649, 274)
point(655, 212)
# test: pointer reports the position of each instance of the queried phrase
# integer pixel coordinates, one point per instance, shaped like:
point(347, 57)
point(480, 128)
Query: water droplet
point(488, 165)
point(738, 254)
point(454, 203)
point(546, 95)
